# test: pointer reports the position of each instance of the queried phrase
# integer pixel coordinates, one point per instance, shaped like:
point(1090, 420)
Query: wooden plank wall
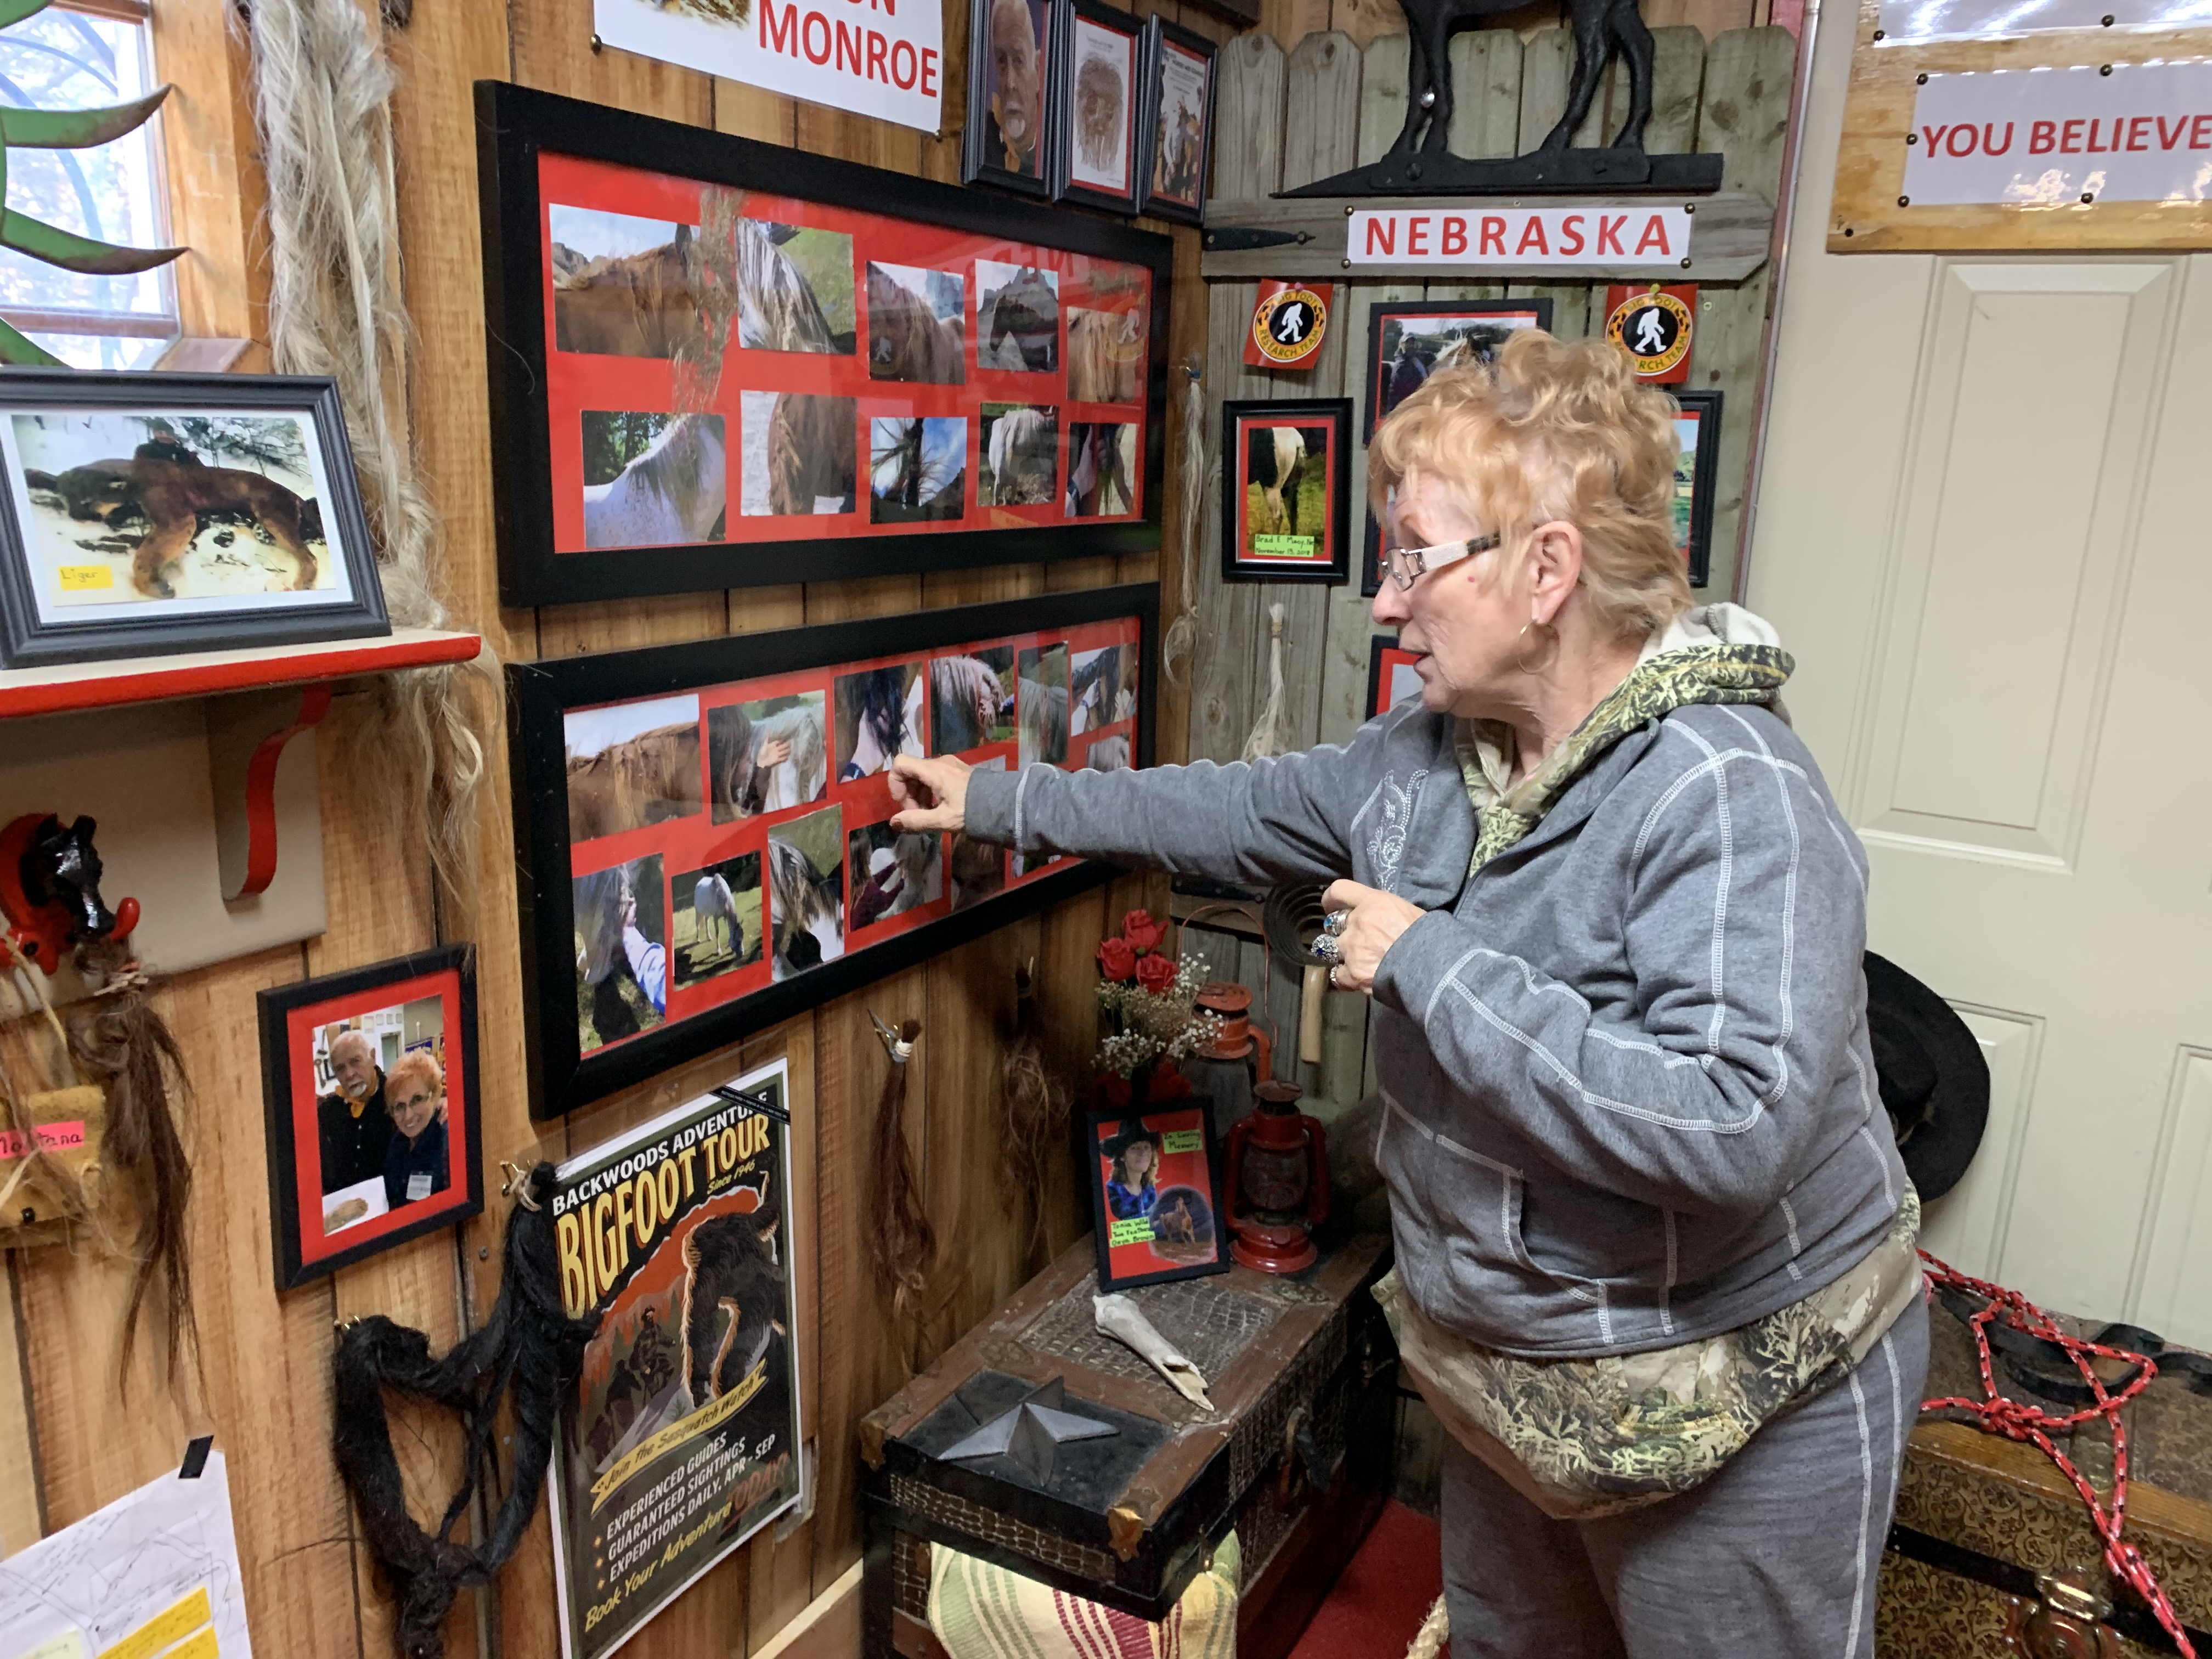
point(1731, 95)
point(1291, 20)
point(69, 1443)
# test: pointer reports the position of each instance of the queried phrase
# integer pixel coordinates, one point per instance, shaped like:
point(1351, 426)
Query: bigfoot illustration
point(732, 1267)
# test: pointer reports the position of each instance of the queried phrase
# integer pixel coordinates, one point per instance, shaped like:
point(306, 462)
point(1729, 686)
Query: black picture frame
point(1162, 39)
point(562, 1076)
point(1371, 557)
point(517, 125)
point(979, 137)
point(27, 641)
point(1704, 480)
point(1382, 312)
point(1380, 647)
point(1099, 1127)
point(1237, 564)
point(1066, 187)
point(451, 969)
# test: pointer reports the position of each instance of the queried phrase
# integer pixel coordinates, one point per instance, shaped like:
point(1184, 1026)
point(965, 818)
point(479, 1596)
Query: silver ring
point(1324, 948)
point(1333, 973)
point(1332, 923)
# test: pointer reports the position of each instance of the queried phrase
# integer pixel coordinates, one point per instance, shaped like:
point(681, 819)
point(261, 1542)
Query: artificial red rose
point(1141, 931)
point(1116, 959)
point(1167, 1084)
point(1155, 974)
point(1114, 1093)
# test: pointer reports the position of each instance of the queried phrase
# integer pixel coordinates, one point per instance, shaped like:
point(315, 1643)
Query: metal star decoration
point(1029, 1432)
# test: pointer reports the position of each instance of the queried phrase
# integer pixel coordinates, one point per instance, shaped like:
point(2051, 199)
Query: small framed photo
point(368, 1080)
point(1177, 115)
point(1696, 466)
point(1390, 674)
point(141, 514)
point(1408, 340)
point(1009, 71)
point(1096, 145)
point(1286, 494)
point(1372, 573)
point(1156, 1195)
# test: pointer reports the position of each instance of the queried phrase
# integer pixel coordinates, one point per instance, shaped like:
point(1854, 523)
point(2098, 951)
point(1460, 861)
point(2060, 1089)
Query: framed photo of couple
point(369, 1089)
point(727, 363)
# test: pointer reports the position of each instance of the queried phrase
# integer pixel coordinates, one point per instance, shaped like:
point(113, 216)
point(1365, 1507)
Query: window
point(81, 56)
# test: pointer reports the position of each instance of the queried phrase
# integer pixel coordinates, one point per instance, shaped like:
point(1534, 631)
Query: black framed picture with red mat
point(1408, 340)
point(703, 831)
point(1155, 1178)
point(1286, 496)
point(717, 363)
point(1098, 146)
point(369, 1082)
point(1390, 676)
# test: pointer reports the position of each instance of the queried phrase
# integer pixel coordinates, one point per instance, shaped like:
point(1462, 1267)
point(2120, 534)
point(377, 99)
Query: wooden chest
point(1295, 1456)
point(1992, 1555)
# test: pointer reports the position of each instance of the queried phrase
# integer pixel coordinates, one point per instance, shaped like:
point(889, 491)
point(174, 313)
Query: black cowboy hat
point(1934, 1082)
point(1132, 1131)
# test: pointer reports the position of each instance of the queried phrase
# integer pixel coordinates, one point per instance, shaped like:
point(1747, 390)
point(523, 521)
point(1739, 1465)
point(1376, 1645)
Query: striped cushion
point(979, 1611)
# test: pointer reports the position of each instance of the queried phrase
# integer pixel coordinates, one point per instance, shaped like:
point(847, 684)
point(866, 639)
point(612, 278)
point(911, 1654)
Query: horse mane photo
point(1285, 503)
point(653, 480)
point(766, 756)
point(1105, 350)
point(1101, 470)
point(1021, 455)
point(1042, 706)
point(1407, 341)
point(915, 323)
point(794, 288)
point(878, 716)
point(971, 700)
point(1016, 318)
point(623, 286)
point(889, 873)
point(917, 469)
point(801, 453)
point(631, 764)
point(806, 891)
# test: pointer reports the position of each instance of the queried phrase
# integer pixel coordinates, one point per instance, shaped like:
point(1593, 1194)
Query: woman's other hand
point(1372, 922)
point(931, 795)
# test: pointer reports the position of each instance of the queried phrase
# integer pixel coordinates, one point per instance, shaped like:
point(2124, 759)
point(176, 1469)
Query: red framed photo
point(726, 363)
point(1155, 1196)
point(1390, 676)
point(704, 831)
point(1286, 495)
point(369, 1087)
point(1408, 340)
point(1098, 63)
point(1176, 118)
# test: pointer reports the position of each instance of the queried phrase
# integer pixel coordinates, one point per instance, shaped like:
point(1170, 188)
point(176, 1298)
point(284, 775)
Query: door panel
point(1981, 533)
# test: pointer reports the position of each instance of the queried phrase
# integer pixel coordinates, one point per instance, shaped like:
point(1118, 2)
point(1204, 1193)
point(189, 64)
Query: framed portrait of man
point(1009, 77)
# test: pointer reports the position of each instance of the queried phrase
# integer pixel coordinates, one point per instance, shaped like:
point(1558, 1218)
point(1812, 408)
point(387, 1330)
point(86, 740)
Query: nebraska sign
point(2140, 133)
point(1631, 236)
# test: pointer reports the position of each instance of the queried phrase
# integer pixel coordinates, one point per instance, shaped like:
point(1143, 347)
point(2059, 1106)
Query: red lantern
point(1278, 1182)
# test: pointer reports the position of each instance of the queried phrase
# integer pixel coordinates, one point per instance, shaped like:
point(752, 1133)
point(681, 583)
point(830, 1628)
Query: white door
point(1983, 530)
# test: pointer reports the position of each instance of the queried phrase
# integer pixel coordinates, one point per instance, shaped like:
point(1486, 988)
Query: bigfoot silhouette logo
point(1653, 324)
point(1288, 324)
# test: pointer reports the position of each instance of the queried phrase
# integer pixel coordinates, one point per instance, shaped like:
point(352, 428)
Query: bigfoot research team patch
point(1288, 324)
point(1653, 326)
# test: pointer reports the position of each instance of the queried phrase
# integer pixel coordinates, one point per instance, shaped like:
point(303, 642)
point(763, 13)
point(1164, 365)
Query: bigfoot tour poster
point(681, 1438)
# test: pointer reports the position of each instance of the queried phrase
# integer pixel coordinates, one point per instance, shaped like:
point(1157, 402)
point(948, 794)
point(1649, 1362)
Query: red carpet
point(1378, 1603)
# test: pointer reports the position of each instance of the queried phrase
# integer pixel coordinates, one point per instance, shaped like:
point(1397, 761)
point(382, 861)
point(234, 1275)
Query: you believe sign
point(2118, 133)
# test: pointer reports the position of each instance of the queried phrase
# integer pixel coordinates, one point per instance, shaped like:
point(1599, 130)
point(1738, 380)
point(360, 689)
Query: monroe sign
point(1483, 235)
point(2125, 132)
point(880, 57)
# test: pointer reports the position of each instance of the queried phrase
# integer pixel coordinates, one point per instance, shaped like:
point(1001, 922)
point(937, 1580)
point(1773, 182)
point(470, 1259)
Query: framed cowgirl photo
point(369, 1082)
point(1155, 1181)
point(1096, 63)
point(1176, 116)
point(1009, 72)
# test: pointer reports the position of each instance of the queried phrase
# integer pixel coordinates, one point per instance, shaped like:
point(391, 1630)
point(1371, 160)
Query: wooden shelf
point(72, 687)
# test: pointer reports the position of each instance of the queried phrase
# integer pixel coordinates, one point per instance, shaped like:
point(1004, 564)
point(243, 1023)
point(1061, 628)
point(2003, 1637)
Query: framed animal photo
point(143, 513)
point(1286, 492)
point(704, 832)
point(369, 1083)
point(1697, 466)
point(724, 363)
point(1391, 677)
point(1009, 72)
point(1155, 1196)
point(1408, 340)
point(1176, 116)
point(1098, 149)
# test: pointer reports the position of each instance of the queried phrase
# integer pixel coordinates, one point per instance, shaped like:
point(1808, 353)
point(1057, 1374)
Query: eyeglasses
point(1409, 564)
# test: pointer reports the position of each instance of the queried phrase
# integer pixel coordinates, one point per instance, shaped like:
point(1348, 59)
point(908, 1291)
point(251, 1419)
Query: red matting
point(578, 381)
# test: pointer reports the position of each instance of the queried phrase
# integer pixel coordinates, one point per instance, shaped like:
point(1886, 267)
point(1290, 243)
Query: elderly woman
point(415, 1164)
point(1655, 1264)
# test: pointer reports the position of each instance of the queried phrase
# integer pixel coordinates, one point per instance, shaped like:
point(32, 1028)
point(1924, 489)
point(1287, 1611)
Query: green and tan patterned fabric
point(979, 1611)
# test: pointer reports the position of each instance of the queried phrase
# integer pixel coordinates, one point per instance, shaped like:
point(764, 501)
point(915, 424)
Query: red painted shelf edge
point(158, 679)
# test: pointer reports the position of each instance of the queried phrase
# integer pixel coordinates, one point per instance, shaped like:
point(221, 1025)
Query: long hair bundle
point(322, 101)
point(1266, 738)
point(1182, 632)
point(902, 1243)
point(1038, 1101)
point(529, 1348)
point(121, 1038)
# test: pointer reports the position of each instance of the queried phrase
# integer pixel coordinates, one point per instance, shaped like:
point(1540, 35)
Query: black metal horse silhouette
point(1600, 27)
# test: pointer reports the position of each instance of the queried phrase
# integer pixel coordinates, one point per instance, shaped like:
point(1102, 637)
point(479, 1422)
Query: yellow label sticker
point(165, 1629)
point(202, 1646)
point(85, 578)
point(1183, 1140)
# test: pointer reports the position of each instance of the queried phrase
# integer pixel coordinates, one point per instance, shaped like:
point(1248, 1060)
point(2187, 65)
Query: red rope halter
point(2017, 1420)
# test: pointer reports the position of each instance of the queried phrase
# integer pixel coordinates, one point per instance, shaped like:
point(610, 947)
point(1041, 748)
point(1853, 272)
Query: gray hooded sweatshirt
point(1627, 1096)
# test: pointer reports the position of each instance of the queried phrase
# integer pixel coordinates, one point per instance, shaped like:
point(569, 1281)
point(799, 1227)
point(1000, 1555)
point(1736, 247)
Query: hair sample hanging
point(528, 1347)
point(903, 1243)
point(1038, 1101)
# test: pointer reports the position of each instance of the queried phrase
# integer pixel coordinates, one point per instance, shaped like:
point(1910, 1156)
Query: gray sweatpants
point(1776, 1555)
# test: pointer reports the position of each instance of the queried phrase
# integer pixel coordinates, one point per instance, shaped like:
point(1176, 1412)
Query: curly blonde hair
point(1553, 429)
point(415, 1063)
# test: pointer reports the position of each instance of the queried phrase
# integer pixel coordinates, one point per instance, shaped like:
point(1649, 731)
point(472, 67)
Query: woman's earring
point(1520, 649)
